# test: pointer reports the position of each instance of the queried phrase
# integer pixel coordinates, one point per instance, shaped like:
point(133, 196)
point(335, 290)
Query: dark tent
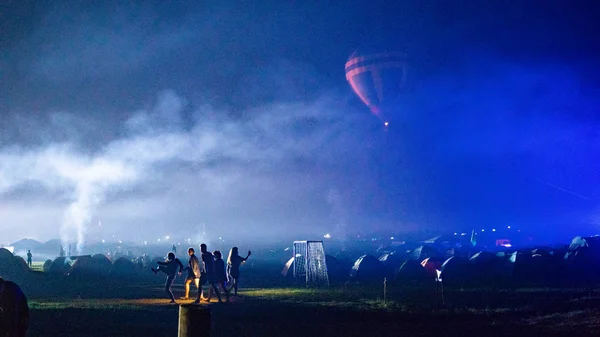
point(47, 264)
point(367, 269)
point(489, 269)
point(456, 271)
point(535, 269)
point(347, 255)
point(337, 270)
point(97, 265)
point(11, 266)
point(123, 267)
point(288, 268)
point(420, 253)
point(412, 272)
point(60, 265)
point(102, 260)
point(392, 263)
point(432, 266)
point(5, 254)
point(542, 251)
point(20, 264)
point(483, 258)
point(583, 260)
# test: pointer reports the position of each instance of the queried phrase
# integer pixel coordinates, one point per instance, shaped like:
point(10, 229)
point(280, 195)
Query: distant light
point(167, 237)
point(386, 124)
point(508, 227)
point(145, 243)
point(507, 245)
point(103, 241)
point(483, 230)
point(463, 234)
point(493, 229)
point(454, 233)
point(120, 241)
point(220, 238)
point(158, 240)
point(327, 236)
point(391, 238)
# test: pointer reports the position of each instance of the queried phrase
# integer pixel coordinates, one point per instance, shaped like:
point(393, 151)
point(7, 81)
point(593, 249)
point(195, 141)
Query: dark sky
point(159, 117)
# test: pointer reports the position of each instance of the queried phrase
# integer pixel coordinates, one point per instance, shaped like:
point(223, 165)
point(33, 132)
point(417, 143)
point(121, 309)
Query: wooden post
point(194, 320)
point(384, 289)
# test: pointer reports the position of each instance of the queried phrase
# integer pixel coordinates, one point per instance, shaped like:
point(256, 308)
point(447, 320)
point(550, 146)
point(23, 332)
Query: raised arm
point(247, 256)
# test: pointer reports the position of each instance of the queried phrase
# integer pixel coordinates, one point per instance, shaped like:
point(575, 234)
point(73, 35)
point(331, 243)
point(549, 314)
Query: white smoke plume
point(339, 213)
point(152, 140)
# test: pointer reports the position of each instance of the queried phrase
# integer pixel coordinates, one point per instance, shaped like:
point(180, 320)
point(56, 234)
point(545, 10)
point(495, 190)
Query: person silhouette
point(234, 261)
point(170, 268)
point(220, 273)
point(29, 257)
point(208, 275)
point(193, 269)
point(14, 311)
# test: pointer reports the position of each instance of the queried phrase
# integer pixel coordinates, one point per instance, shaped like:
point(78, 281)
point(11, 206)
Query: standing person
point(29, 256)
point(169, 268)
point(14, 311)
point(208, 275)
point(193, 269)
point(234, 261)
point(220, 273)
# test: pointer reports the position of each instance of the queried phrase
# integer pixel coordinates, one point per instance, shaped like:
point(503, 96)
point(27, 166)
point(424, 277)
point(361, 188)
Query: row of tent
point(97, 265)
point(12, 266)
point(579, 263)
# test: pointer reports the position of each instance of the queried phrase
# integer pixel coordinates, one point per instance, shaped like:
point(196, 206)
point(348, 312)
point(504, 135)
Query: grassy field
point(64, 306)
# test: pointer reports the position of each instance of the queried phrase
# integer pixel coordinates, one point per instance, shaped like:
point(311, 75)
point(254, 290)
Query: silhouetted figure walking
point(193, 269)
point(169, 268)
point(221, 273)
point(234, 261)
point(29, 257)
point(208, 275)
point(14, 311)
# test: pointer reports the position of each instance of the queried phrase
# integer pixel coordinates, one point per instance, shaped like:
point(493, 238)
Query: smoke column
point(339, 214)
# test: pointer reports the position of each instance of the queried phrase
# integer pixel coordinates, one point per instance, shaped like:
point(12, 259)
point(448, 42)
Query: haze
point(173, 118)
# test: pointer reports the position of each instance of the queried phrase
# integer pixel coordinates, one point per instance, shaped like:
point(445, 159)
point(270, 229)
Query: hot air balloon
point(378, 77)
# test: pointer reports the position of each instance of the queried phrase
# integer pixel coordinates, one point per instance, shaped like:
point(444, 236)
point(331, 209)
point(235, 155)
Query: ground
point(64, 306)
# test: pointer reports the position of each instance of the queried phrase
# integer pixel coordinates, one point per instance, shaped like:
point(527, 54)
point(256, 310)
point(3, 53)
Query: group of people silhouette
point(209, 270)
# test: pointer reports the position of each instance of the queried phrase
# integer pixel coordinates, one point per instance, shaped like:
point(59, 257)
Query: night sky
point(160, 117)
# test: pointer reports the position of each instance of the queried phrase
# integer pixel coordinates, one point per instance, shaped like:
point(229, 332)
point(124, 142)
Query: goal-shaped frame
point(310, 263)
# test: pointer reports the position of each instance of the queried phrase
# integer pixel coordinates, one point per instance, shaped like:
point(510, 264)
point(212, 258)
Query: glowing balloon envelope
point(378, 78)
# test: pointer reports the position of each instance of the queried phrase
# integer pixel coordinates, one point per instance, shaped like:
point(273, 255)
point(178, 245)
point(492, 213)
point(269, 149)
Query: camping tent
point(60, 265)
point(392, 263)
point(97, 265)
point(123, 267)
point(367, 268)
